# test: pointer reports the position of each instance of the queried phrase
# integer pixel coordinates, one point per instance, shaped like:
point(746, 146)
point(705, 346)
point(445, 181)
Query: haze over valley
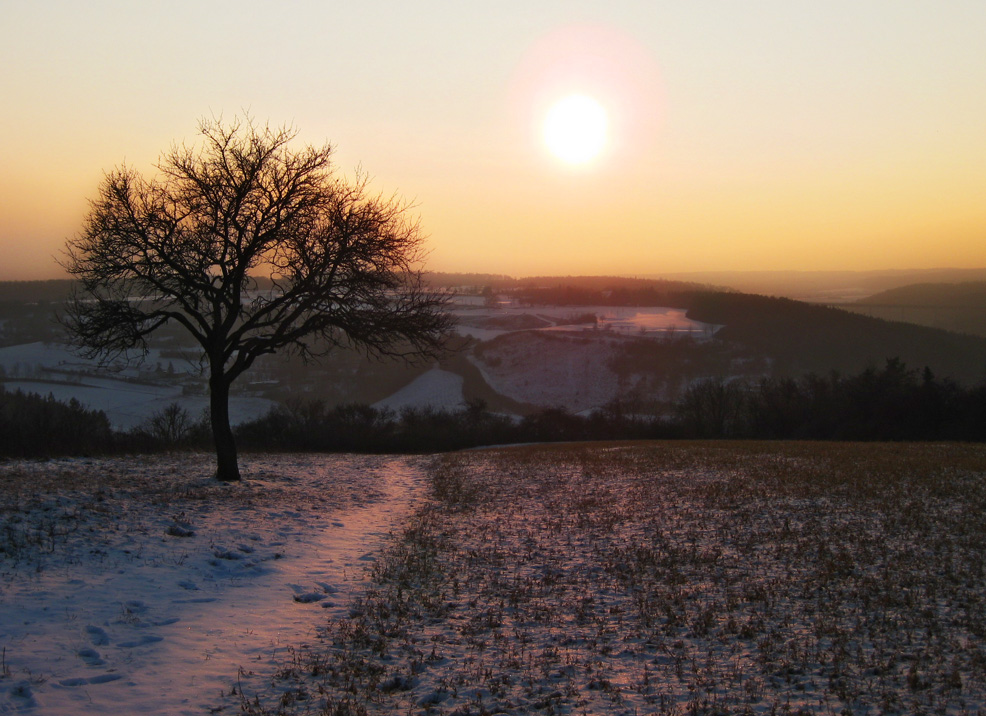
point(576, 343)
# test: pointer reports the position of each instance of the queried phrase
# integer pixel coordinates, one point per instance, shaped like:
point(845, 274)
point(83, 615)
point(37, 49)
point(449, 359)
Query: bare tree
point(171, 425)
point(186, 246)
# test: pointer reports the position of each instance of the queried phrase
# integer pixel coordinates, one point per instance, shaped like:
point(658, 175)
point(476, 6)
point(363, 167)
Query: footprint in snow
point(223, 553)
point(142, 641)
point(164, 622)
point(91, 657)
point(97, 635)
point(83, 681)
point(177, 530)
point(22, 690)
point(309, 597)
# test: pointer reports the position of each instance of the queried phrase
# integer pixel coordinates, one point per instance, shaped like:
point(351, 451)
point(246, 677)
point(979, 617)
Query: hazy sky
point(754, 134)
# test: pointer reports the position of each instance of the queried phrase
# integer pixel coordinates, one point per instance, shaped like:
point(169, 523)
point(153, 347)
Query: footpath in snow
point(141, 585)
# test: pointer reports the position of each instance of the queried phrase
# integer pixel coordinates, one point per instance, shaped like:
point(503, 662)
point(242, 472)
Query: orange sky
point(757, 135)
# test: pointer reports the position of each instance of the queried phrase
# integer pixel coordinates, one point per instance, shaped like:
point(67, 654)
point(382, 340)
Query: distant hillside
point(959, 307)
point(614, 283)
point(57, 289)
point(801, 337)
point(580, 284)
point(439, 279)
point(969, 294)
point(605, 291)
point(826, 286)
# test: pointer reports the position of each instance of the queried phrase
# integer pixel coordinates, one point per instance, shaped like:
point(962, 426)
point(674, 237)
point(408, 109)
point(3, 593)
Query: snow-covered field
point(485, 323)
point(143, 586)
point(672, 578)
point(438, 389)
point(127, 400)
point(647, 578)
point(551, 369)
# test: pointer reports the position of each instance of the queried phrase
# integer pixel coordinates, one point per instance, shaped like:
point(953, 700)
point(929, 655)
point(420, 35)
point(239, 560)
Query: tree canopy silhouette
point(188, 245)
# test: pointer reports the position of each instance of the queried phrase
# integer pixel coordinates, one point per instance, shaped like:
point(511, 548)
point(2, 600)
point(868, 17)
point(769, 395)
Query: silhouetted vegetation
point(890, 403)
point(36, 426)
point(172, 428)
point(893, 402)
point(342, 263)
point(314, 426)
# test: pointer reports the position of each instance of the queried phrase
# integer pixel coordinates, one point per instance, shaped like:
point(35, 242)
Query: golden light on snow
point(575, 129)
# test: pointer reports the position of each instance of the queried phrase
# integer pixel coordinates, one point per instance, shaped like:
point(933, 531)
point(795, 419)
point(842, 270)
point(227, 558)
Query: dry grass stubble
point(673, 578)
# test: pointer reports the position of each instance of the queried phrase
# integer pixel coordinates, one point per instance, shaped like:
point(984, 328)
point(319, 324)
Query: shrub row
point(890, 403)
point(33, 426)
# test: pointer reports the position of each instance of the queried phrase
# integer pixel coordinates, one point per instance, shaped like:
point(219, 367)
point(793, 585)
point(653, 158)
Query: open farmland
point(634, 578)
point(670, 578)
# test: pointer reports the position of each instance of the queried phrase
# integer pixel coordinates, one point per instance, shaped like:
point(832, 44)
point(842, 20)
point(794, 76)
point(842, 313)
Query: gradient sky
point(763, 134)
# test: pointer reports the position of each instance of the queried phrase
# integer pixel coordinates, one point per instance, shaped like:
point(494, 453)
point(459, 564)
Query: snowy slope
point(552, 370)
point(437, 388)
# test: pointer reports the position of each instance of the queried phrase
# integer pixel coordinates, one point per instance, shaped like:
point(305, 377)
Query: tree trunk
point(227, 468)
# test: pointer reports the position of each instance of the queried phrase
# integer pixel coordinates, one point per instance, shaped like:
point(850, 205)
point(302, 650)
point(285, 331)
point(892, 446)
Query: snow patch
point(438, 389)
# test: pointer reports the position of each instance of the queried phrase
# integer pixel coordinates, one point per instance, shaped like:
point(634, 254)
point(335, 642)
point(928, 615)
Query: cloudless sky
point(763, 134)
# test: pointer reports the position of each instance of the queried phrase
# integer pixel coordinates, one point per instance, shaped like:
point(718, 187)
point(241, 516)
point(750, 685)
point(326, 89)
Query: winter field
point(129, 396)
point(639, 578)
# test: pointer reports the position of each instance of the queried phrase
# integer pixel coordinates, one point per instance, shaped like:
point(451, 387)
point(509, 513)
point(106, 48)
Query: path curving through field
point(159, 589)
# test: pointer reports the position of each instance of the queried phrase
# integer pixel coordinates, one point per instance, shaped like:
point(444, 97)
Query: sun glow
point(575, 129)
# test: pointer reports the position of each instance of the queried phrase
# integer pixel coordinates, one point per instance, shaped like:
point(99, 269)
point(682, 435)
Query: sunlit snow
point(144, 586)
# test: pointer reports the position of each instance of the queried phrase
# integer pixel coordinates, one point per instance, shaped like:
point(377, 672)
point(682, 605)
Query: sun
point(575, 129)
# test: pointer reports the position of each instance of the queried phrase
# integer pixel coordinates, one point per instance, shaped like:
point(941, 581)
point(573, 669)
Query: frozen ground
point(723, 579)
point(716, 579)
point(143, 586)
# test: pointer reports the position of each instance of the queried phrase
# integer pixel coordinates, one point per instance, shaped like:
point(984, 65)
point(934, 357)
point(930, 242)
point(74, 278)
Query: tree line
point(892, 402)
point(888, 403)
point(35, 426)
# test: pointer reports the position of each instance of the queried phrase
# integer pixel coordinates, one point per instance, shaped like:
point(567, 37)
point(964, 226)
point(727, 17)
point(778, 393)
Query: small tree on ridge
point(186, 246)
